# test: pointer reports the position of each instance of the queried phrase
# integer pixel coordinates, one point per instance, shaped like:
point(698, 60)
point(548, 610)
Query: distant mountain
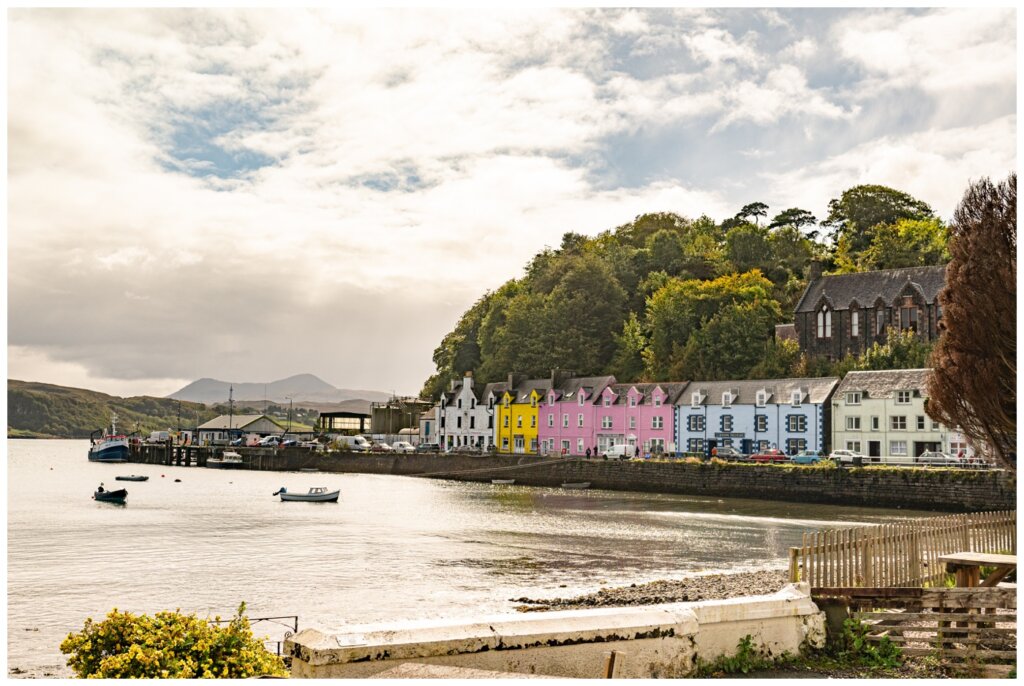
point(304, 388)
point(39, 410)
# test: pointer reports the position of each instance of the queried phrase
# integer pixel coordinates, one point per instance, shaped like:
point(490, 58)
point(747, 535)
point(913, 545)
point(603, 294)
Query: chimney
point(467, 380)
point(453, 383)
point(514, 380)
point(560, 376)
point(814, 270)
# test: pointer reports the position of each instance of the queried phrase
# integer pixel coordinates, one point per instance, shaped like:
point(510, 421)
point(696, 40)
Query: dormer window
point(607, 401)
point(824, 322)
point(903, 397)
point(726, 399)
point(657, 401)
point(459, 403)
point(695, 400)
point(505, 403)
point(853, 398)
point(762, 397)
point(797, 395)
point(581, 400)
point(632, 401)
point(551, 399)
point(533, 401)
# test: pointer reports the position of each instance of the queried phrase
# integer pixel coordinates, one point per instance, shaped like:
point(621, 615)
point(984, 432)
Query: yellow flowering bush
point(169, 645)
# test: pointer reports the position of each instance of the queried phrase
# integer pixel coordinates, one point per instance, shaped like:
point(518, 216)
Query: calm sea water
point(392, 548)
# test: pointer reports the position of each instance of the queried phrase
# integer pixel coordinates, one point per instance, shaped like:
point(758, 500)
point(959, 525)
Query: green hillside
point(39, 410)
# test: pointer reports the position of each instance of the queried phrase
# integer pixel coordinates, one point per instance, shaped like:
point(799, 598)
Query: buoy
point(177, 481)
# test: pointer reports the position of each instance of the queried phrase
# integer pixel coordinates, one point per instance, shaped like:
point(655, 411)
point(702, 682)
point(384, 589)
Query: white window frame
point(761, 398)
point(632, 401)
point(795, 398)
point(876, 423)
point(727, 399)
point(607, 401)
point(900, 395)
point(853, 423)
point(898, 422)
point(853, 445)
point(853, 398)
point(565, 420)
point(580, 399)
point(921, 423)
point(898, 448)
point(606, 421)
point(632, 422)
point(695, 400)
point(657, 422)
point(657, 400)
point(579, 419)
point(579, 446)
point(551, 419)
point(854, 324)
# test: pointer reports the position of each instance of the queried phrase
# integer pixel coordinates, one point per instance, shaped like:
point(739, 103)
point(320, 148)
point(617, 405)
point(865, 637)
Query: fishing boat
point(108, 447)
point(317, 494)
point(117, 496)
point(131, 477)
point(229, 459)
point(503, 482)
point(579, 485)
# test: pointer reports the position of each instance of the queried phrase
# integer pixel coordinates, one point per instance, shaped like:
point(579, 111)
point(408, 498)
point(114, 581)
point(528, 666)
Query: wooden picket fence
point(901, 554)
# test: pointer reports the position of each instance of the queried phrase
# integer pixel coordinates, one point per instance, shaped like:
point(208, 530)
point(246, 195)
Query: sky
point(252, 194)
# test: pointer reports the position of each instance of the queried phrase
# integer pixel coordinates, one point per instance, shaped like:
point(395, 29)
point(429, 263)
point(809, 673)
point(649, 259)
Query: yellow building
point(516, 425)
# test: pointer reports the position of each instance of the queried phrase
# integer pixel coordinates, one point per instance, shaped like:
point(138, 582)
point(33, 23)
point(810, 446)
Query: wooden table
point(967, 567)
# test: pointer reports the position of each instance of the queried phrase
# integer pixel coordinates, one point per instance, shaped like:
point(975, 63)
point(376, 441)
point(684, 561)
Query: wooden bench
point(967, 567)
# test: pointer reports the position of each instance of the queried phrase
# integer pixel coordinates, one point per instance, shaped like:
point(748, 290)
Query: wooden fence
point(899, 554)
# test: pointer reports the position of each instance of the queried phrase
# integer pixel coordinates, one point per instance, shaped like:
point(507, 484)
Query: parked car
point(270, 441)
point(466, 449)
point(357, 444)
point(402, 447)
point(806, 457)
point(428, 448)
point(288, 443)
point(727, 452)
point(620, 452)
point(381, 447)
point(846, 456)
point(936, 458)
point(770, 455)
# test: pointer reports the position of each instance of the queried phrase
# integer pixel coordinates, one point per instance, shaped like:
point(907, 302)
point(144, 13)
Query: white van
point(354, 443)
point(620, 452)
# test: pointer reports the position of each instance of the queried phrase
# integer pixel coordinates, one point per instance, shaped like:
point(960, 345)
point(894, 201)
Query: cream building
point(881, 414)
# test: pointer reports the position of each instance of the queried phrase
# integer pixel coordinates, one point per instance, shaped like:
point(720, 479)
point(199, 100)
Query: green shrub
point(168, 645)
point(856, 647)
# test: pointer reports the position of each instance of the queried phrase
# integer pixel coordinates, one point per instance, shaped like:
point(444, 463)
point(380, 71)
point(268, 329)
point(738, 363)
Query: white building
point(788, 414)
point(466, 417)
point(226, 427)
point(881, 414)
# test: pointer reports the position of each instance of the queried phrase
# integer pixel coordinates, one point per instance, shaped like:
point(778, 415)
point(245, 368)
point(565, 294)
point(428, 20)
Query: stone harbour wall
point(950, 490)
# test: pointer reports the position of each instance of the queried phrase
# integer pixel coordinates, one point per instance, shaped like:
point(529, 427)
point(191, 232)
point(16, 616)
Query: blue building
point(788, 414)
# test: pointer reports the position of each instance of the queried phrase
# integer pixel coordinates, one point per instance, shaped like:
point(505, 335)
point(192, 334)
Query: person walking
point(588, 453)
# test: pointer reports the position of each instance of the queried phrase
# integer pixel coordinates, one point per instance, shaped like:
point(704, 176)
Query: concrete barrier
point(652, 641)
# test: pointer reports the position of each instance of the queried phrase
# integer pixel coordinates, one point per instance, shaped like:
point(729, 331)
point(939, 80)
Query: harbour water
point(392, 548)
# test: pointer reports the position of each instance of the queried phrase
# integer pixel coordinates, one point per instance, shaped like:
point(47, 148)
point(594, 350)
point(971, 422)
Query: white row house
point(466, 418)
point(787, 414)
point(882, 414)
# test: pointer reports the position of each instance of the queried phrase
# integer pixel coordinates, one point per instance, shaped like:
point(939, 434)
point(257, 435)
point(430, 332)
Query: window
point(656, 445)
point(825, 322)
point(797, 396)
point(533, 401)
point(761, 398)
point(579, 446)
point(726, 399)
point(657, 422)
point(565, 446)
point(695, 400)
point(490, 421)
point(726, 423)
point(533, 445)
point(853, 423)
point(760, 423)
point(854, 324)
point(853, 445)
point(551, 399)
point(606, 422)
point(880, 322)
point(695, 422)
point(579, 419)
point(551, 419)
point(519, 422)
point(458, 422)
point(533, 421)
point(607, 401)
point(908, 318)
point(442, 421)
point(580, 400)
point(920, 423)
point(936, 426)
point(796, 423)
point(903, 397)
point(632, 422)
point(565, 421)
point(853, 398)
point(874, 424)
point(504, 442)
point(795, 445)
point(898, 448)
point(505, 403)
point(657, 401)
point(459, 403)
point(472, 422)
point(632, 401)
point(899, 423)
point(695, 445)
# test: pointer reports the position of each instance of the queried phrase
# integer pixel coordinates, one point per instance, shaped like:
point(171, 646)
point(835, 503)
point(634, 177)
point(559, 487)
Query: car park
point(770, 455)
point(727, 452)
point(806, 457)
point(402, 447)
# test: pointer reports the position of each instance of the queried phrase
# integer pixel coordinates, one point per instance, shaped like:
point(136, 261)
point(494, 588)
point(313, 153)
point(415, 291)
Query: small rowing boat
point(503, 482)
point(317, 494)
point(117, 496)
point(132, 477)
point(579, 485)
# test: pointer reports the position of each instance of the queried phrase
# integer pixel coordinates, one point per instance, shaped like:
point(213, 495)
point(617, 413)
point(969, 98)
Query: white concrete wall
point(656, 641)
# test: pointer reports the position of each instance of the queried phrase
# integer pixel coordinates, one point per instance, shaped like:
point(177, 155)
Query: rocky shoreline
point(708, 587)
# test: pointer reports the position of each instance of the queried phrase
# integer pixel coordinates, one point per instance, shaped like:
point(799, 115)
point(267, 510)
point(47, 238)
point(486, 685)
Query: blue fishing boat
point(108, 447)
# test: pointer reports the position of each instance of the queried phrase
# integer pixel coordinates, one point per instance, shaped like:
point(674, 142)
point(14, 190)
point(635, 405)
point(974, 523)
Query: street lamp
point(288, 430)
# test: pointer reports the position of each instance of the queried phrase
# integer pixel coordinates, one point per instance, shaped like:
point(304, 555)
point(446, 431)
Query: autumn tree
point(973, 382)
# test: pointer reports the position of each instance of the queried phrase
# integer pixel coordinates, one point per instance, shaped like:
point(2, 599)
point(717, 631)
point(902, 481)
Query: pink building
point(638, 414)
point(567, 415)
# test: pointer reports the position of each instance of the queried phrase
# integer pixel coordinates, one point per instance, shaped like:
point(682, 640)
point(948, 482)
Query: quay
point(946, 490)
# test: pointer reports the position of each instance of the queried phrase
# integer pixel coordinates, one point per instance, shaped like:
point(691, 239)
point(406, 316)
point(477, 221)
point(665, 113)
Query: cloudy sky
point(248, 195)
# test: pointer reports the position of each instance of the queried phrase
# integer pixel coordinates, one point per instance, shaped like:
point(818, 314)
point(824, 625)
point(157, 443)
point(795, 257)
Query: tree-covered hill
point(666, 297)
point(45, 410)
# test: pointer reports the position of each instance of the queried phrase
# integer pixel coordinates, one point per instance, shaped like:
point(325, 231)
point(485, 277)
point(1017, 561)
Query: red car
point(771, 455)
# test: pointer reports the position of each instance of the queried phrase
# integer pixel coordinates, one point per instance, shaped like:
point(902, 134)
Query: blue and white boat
point(111, 447)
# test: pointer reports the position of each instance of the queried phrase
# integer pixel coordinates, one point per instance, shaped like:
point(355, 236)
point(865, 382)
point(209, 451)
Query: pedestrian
point(100, 489)
point(636, 453)
point(588, 453)
point(714, 452)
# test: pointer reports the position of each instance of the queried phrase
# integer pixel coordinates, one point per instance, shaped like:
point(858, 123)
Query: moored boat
point(577, 485)
point(503, 482)
point(317, 494)
point(117, 496)
point(229, 459)
point(131, 477)
point(108, 447)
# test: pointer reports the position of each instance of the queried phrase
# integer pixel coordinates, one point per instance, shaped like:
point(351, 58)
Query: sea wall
point(656, 641)
point(950, 490)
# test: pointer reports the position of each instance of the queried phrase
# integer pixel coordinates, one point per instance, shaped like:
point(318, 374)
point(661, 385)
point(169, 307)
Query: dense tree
point(755, 210)
point(860, 209)
point(628, 361)
point(746, 247)
point(901, 350)
point(778, 360)
point(794, 217)
point(973, 384)
point(907, 243)
point(729, 344)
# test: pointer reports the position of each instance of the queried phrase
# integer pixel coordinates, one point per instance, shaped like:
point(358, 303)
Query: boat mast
point(231, 411)
point(113, 423)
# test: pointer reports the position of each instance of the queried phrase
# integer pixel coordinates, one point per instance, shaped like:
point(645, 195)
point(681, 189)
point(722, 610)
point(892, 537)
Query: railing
point(293, 626)
point(898, 554)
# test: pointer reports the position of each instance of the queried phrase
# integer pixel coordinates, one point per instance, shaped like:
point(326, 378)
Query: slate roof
point(672, 389)
point(522, 391)
point(816, 390)
point(593, 384)
point(885, 383)
point(497, 387)
point(867, 287)
point(238, 421)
